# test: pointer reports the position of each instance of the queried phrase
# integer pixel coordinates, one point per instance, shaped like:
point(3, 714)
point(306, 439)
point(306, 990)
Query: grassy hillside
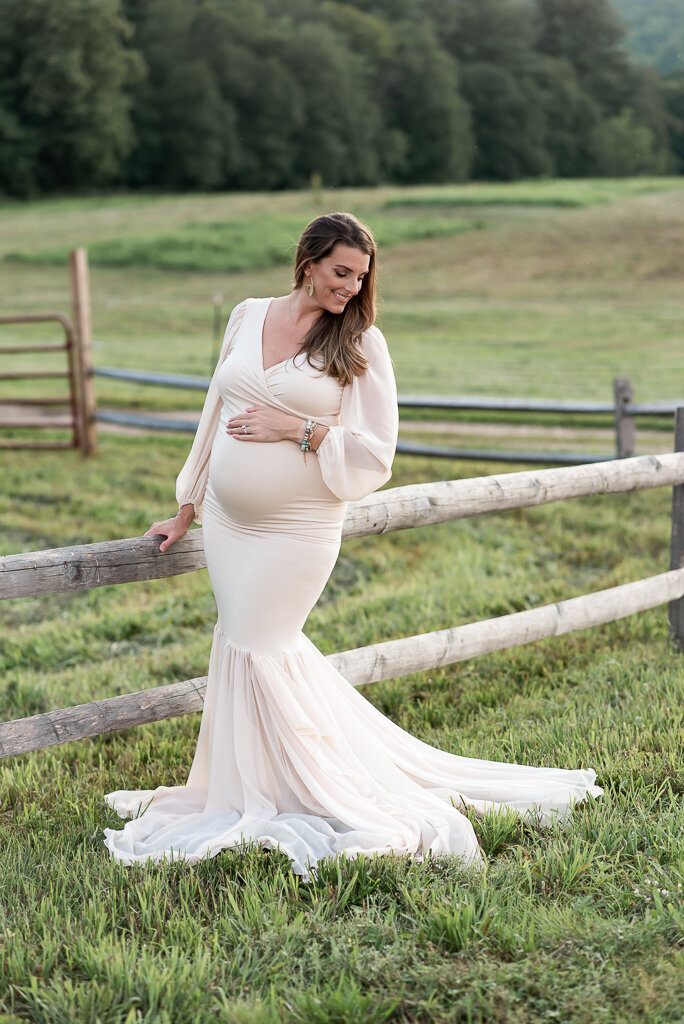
point(577, 924)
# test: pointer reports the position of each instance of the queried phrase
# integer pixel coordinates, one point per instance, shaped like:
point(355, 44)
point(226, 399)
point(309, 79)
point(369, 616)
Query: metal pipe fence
point(622, 411)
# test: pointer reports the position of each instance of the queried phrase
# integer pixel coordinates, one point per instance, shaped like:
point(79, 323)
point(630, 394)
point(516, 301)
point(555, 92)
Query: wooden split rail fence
point(93, 565)
point(78, 371)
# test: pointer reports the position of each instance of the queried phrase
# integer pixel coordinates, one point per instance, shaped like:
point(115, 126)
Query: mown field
point(581, 923)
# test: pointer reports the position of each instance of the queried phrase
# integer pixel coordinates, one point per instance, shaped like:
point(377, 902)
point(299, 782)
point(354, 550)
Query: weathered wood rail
point(360, 667)
point(59, 570)
point(91, 565)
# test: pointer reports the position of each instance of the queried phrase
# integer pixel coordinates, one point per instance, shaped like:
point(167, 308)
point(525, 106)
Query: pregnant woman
point(301, 417)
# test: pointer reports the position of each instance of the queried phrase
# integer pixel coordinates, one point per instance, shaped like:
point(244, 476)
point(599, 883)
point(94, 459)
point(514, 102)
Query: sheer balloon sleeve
point(355, 456)
point(191, 482)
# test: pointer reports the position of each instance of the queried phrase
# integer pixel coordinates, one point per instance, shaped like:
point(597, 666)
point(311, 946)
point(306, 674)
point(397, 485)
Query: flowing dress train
point(290, 754)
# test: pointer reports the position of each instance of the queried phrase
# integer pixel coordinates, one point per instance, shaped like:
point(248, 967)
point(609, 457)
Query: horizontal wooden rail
point(61, 423)
point(361, 666)
point(36, 445)
point(39, 318)
point(59, 570)
point(69, 347)
point(63, 400)
point(37, 375)
point(14, 349)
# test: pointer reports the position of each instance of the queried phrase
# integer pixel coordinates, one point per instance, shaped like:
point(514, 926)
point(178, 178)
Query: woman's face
point(337, 277)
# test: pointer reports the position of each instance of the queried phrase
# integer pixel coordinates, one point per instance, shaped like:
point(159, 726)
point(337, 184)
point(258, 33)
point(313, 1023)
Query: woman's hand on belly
point(263, 423)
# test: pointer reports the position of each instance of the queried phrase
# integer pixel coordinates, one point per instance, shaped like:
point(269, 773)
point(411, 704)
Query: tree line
point(655, 31)
point(272, 94)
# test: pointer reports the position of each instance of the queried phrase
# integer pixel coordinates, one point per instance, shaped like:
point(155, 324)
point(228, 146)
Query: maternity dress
point(289, 753)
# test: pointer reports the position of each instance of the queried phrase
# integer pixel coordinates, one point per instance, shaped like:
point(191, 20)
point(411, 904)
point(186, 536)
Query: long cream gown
point(289, 753)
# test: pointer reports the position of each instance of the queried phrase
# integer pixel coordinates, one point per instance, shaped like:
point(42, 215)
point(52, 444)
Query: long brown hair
point(333, 340)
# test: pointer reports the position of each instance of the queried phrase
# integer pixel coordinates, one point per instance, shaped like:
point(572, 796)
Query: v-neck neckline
point(281, 362)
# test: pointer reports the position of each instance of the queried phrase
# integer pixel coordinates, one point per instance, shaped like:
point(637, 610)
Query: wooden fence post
point(80, 305)
point(676, 608)
point(624, 424)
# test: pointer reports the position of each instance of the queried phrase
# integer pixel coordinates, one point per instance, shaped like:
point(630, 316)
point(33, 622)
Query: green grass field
point(578, 924)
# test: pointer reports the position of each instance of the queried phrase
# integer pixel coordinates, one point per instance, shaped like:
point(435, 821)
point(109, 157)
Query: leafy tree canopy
point(269, 94)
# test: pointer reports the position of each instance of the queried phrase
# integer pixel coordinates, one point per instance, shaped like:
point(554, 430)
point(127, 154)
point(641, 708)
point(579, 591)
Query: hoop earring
point(309, 288)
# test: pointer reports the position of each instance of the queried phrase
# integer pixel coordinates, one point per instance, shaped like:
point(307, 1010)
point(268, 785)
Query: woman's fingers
point(157, 528)
point(161, 529)
point(259, 423)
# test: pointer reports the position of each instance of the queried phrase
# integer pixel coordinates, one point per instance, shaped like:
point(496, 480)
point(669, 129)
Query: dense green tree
point(244, 50)
point(589, 34)
point(215, 94)
point(509, 130)
point(673, 94)
point(648, 106)
point(493, 42)
point(365, 34)
point(337, 140)
point(499, 32)
point(569, 116)
point(185, 132)
point(621, 146)
point(424, 107)
point(64, 104)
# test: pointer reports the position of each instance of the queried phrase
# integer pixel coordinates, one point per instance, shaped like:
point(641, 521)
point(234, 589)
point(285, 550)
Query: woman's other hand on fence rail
point(173, 529)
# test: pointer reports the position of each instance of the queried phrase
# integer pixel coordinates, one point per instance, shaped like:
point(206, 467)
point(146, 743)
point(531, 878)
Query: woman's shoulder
point(242, 306)
point(240, 311)
point(373, 339)
point(245, 304)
